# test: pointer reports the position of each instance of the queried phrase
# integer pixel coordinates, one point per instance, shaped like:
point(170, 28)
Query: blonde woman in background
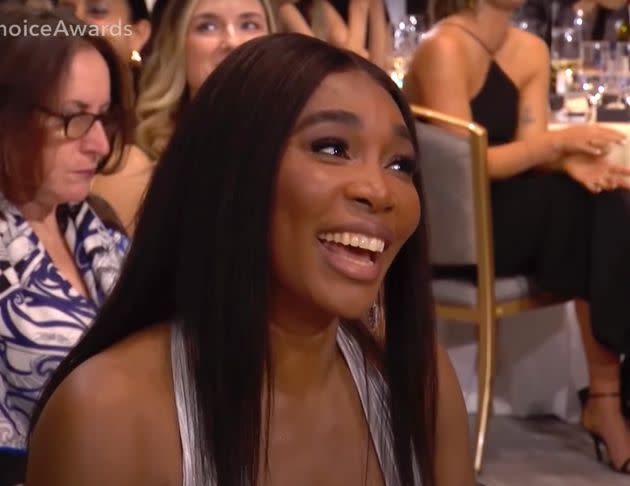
point(191, 38)
point(364, 30)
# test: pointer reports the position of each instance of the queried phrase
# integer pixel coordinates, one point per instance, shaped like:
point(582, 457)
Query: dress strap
point(474, 36)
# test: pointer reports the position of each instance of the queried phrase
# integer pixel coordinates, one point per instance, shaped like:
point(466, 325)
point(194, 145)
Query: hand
point(597, 174)
point(593, 140)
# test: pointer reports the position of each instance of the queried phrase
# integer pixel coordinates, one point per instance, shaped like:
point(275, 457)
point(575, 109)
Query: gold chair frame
point(487, 310)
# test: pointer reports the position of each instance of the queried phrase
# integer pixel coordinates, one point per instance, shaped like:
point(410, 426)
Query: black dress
point(573, 243)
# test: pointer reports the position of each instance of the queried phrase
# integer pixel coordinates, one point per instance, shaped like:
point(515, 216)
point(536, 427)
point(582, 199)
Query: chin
point(350, 308)
point(75, 197)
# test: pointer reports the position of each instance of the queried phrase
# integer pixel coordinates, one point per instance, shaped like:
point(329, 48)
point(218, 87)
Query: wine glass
point(528, 23)
point(592, 74)
point(566, 47)
point(406, 34)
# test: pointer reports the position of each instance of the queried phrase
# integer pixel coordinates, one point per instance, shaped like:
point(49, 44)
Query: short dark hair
point(201, 257)
point(32, 69)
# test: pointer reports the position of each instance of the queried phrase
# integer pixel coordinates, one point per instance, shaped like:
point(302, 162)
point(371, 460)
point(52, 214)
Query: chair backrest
point(448, 189)
point(454, 172)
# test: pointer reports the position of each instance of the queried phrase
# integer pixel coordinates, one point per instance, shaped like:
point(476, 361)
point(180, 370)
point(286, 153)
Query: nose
point(370, 189)
point(230, 38)
point(95, 140)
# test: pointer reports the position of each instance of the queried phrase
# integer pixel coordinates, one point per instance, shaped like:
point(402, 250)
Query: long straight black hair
point(199, 257)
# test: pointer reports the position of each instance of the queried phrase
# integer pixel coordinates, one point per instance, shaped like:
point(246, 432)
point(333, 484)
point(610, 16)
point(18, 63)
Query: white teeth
point(356, 240)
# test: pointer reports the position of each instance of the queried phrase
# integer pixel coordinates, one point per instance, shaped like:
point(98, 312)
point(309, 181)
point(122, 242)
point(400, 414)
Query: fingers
point(594, 187)
point(614, 178)
point(593, 140)
point(619, 170)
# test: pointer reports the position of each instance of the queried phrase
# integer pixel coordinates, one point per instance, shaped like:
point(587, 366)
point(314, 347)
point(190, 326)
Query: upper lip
point(372, 229)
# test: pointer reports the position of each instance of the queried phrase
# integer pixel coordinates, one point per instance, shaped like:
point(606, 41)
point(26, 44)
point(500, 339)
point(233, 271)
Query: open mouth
point(362, 246)
point(353, 254)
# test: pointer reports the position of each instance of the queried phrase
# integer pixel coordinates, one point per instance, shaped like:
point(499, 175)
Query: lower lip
point(349, 267)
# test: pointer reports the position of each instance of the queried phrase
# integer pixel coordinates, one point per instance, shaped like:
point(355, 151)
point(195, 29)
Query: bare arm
point(441, 71)
point(440, 68)
point(292, 20)
point(125, 189)
point(357, 24)
point(453, 459)
point(87, 435)
point(379, 33)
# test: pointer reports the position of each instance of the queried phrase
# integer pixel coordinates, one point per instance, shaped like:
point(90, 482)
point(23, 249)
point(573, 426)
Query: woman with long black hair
point(235, 349)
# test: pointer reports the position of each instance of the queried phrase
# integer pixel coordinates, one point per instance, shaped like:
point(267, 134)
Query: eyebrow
point(84, 106)
point(214, 16)
point(346, 118)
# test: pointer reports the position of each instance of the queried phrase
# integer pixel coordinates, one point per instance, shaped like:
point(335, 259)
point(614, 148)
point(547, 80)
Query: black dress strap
point(474, 36)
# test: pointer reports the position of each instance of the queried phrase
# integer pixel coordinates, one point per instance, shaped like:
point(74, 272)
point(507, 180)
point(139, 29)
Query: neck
point(39, 214)
point(303, 354)
point(493, 23)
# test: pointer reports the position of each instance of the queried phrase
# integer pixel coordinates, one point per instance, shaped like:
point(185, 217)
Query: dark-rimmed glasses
point(77, 125)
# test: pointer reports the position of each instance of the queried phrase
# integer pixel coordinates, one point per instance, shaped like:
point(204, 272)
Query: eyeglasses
point(77, 125)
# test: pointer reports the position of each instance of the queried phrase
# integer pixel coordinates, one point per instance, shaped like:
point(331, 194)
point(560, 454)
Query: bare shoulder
point(138, 158)
point(441, 44)
point(524, 45)
point(453, 455)
point(108, 414)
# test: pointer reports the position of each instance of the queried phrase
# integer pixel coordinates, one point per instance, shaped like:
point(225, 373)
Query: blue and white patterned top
point(41, 316)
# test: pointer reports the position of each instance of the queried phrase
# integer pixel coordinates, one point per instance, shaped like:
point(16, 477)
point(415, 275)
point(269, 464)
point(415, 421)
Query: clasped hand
point(586, 150)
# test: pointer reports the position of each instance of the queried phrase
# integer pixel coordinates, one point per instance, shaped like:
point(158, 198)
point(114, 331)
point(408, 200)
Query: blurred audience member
point(561, 208)
point(233, 350)
point(358, 25)
point(126, 23)
point(192, 38)
point(64, 108)
point(602, 18)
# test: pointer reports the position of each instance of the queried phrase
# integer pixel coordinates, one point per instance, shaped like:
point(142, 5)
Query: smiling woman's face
point(216, 28)
point(345, 199)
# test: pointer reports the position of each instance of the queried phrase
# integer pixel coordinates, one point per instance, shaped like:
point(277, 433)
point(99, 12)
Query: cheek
point(301, 197)
point(410, 212)
point(200, 55)
point(252, 35)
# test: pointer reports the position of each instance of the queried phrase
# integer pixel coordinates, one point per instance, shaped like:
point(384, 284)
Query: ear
point(141, 34)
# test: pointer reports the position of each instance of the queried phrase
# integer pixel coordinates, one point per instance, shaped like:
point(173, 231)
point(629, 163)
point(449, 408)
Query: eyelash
point(406, 164)
point(337, 144)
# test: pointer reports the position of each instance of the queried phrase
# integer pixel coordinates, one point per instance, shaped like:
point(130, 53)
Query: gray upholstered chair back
point(447, 173)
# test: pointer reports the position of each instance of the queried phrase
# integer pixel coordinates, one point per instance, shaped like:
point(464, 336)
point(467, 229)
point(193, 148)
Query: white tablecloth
point(540, 365)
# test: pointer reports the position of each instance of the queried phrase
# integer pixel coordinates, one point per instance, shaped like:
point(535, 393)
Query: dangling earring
point(136, 58)
point(376, 317)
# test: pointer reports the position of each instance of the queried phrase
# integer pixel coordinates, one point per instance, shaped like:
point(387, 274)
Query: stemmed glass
point(529, 23)
point(566, 46)
point(618, 76)
point(592, 74)
point(406, 32)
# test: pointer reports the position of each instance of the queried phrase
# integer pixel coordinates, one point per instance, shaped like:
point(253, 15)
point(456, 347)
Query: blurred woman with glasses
point(64, 104)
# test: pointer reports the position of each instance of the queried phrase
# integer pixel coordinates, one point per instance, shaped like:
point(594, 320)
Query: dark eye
point(406, 165)
point(251, 25)
point(97, 11)
point(208, 26)
point(333, 147)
